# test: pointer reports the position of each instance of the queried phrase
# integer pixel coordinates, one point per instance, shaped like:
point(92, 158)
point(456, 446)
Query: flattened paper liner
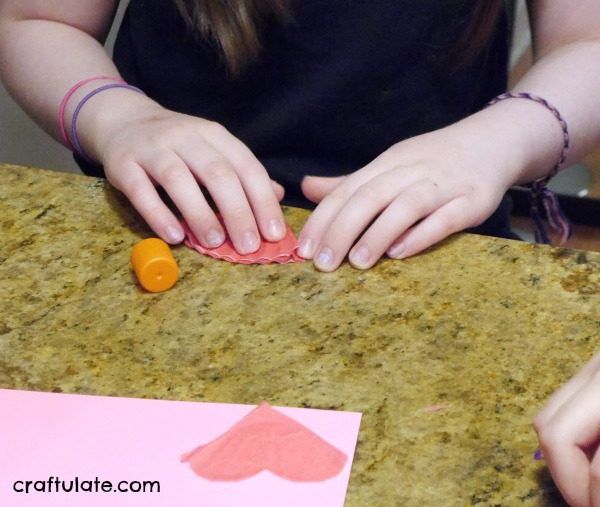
point(280, 252)
point(266, 439)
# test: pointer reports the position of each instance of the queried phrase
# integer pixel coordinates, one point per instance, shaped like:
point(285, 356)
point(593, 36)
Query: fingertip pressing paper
point(279, 252)
point(213, 454)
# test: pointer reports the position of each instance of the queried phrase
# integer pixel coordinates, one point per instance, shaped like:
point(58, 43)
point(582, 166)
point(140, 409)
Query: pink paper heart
point(266, 439)
point(281, 252)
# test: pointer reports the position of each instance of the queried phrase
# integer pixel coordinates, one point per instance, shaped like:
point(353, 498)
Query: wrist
point(522, 137)
point(104, 114)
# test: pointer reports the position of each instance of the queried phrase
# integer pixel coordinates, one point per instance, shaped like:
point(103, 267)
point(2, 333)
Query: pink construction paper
point(266, 439)
point(45, 435)
point(280, 252)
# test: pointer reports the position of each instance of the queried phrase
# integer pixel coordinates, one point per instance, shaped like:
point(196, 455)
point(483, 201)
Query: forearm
point(569, 77)
point(528, 139)
point(46, 48)
point(40, 60)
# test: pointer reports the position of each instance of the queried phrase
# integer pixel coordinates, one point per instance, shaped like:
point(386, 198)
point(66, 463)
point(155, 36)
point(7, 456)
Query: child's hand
point(150, 146)
point(414, 195)
point(569, 432)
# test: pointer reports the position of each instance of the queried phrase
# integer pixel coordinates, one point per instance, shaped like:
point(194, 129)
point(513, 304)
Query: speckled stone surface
point(486, 328)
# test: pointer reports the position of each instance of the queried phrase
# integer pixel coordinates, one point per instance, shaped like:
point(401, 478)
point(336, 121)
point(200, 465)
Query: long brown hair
point(480, 29)
point(234, 26)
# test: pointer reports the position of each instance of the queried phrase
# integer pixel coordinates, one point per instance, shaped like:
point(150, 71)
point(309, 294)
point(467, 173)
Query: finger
point(353, 217)
point(172, 174)
point(415, 202)
point(315, 188)
point(137, 187)
point(595, 479)
point(570, 470)
point(452, 217)
point(566, 392)
point(579, 419)
point(224, 186)
point(573, 430)
point(278, 189)
point(255, 182)
point(321, 218)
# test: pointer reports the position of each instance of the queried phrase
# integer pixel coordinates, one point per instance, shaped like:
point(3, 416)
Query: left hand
point(412, 196)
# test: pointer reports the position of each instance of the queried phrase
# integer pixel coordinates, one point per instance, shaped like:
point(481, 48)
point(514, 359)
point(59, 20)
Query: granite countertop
point(484, 328)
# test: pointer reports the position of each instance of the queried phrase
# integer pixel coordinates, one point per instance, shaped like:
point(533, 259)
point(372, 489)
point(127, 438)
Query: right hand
point(569, 433)
point(146, 145)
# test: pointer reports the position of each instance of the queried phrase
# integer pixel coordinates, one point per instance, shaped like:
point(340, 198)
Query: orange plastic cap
point(154, 265)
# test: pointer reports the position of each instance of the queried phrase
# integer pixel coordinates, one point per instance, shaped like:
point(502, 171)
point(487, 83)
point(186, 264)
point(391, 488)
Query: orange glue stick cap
point(154, 265)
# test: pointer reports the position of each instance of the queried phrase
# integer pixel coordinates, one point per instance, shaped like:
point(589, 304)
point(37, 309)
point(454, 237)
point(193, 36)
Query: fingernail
point(361, 257)
point(173, 234)
point(396, 251)
point(325, 258)
point(276, 228)
point(214, 238)
point(250, 242)
point(305, 248)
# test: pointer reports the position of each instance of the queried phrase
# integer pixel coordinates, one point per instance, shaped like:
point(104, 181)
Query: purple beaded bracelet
point(74, 137)
point(541, 196)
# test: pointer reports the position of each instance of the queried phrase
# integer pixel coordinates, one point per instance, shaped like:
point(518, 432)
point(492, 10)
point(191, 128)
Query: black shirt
point(331, 90)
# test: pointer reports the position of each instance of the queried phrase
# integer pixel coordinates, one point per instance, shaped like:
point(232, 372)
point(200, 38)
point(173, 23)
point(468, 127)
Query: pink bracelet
point(541, 196)
point(67, 97)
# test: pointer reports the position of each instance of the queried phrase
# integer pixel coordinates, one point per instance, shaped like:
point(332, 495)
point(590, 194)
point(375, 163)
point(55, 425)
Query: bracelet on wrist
point(541, 197)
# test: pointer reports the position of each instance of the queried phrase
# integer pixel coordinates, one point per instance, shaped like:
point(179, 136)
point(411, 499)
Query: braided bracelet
point(74, 137)
point(65, 100)
point(540, 195)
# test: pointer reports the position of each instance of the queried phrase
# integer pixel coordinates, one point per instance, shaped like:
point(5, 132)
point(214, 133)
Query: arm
point(426, 188)
point(47, 46)
point(566, 44)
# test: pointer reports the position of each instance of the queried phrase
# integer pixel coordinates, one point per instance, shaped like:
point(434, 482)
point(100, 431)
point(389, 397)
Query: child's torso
point(331, 90)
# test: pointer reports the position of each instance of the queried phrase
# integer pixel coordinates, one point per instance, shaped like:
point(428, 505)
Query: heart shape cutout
point(280, 252)
point(266, 439)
